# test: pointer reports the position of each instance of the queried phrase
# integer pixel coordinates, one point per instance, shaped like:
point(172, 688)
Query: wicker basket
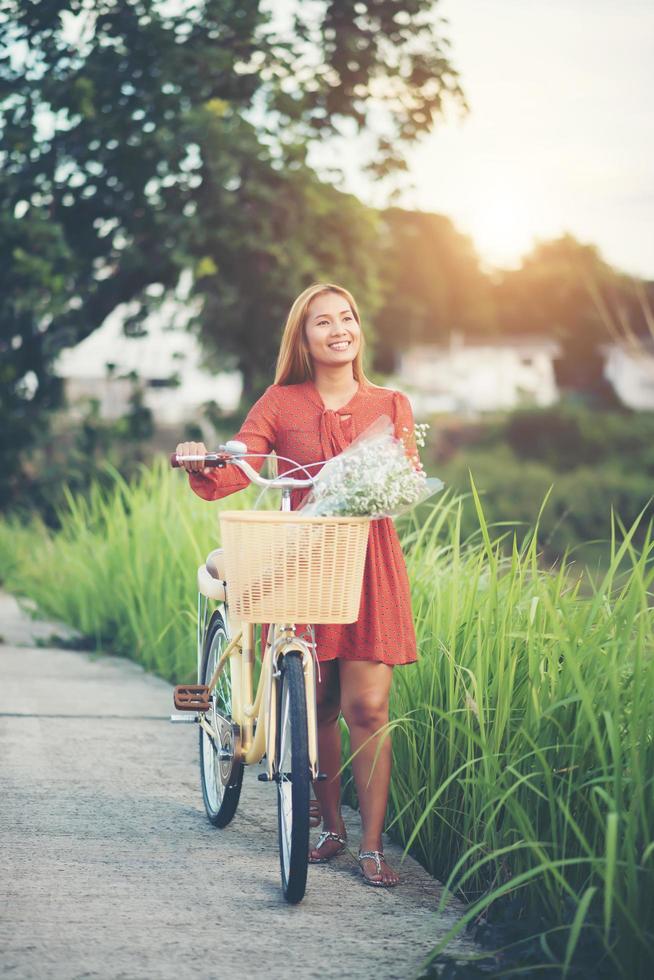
point(284, 568)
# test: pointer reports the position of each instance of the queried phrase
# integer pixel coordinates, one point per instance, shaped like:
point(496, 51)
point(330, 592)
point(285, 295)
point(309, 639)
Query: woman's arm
point(258, 432)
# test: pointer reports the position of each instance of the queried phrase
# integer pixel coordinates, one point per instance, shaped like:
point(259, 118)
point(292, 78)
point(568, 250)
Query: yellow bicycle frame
point(258, 740)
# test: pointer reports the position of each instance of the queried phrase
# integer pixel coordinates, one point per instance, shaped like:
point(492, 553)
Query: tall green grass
point(523, 742)
point(122, 568)
point(523, 738)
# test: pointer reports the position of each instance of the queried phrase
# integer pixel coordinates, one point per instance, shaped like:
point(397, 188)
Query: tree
point(355, 61)
point(36, 269)
point(138, 142)
point(554, 294)
point(432, 283)
point(288, 229)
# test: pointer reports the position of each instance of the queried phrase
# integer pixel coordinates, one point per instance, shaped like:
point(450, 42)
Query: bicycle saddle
point(215, 564)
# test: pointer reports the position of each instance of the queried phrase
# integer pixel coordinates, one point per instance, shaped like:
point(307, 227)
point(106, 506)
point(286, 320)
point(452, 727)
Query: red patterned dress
point(293, 420)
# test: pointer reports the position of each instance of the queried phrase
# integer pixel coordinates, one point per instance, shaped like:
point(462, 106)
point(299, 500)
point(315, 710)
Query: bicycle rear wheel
point(221, 774)
point(293, 777)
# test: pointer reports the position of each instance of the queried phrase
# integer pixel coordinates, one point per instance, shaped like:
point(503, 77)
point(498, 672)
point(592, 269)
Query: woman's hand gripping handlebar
point(194, 458)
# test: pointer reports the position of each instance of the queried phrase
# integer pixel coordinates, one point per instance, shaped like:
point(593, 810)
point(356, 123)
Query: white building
point(168, 364)
point(630, 369)
point(480, 375)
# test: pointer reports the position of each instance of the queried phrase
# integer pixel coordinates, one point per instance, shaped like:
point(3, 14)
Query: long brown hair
point(294, 363)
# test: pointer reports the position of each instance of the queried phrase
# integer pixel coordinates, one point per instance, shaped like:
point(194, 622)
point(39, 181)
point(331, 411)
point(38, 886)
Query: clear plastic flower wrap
point(373, 477)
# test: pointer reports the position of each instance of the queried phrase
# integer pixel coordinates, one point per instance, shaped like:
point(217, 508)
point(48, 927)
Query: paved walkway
point(109, 868)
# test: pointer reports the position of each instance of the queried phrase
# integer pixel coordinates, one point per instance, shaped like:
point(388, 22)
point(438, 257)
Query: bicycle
point(280, 568)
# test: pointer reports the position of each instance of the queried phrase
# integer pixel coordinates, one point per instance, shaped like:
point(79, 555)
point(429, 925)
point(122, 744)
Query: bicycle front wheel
point(220, 772)
point(293, 777)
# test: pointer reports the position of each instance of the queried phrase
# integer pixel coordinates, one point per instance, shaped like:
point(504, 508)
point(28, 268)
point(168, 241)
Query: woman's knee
point(368, 711)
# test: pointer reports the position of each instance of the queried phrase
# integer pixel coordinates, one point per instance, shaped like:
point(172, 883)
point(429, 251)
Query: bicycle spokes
point(221, 770)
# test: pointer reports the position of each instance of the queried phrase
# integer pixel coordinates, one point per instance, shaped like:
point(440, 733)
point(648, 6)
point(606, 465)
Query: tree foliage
point(289, 229)
point(141, 138)
point(378, 64)
point(432, 283)
point(560, 291)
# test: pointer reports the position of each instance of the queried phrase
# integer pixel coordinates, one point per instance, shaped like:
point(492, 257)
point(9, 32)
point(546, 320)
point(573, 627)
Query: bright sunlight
point(502, 229)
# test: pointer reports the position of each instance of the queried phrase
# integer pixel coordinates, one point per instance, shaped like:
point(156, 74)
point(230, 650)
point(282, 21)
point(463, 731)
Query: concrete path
point(109, 868)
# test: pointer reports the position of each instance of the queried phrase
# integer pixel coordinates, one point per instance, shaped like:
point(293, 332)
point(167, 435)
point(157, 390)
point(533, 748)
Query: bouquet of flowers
point(373, 477)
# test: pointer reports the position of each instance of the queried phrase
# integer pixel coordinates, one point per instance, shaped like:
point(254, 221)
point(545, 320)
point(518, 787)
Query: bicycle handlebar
point(233, 452)
point(213, 460)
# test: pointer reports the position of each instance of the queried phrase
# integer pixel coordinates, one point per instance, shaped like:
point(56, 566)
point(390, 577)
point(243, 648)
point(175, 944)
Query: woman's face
point(333, 336)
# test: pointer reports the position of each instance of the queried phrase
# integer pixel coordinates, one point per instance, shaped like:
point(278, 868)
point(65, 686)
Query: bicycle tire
point(221, 779)
point(293, 777)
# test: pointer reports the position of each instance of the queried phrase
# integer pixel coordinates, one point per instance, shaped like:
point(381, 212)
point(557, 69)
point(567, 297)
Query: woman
point(320, 401)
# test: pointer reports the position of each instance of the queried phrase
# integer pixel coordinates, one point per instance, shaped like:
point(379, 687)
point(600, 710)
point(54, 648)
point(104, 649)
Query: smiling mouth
point(340, 345)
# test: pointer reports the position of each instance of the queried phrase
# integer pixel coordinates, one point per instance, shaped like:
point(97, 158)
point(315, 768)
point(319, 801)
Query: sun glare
point(502, 227)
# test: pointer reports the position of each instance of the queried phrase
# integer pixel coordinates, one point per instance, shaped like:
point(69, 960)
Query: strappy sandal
point(326, 835)
point(377, 857)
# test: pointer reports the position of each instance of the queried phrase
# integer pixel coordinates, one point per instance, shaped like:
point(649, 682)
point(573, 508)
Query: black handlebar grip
point(211, 461)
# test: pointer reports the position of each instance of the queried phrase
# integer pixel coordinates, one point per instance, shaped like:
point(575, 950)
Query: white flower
point(373, 478)
point(420, 433)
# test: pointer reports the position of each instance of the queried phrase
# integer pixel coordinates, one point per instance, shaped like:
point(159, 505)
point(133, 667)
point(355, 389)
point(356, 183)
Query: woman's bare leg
point(328, 791)
point(365, 691)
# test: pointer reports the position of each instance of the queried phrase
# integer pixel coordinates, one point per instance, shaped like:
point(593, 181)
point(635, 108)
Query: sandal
point(377, 857)
point(326, 835)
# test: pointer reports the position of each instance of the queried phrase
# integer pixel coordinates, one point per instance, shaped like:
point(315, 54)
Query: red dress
point(293, 420)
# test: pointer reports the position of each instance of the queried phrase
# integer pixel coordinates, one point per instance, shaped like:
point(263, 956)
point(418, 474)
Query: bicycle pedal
point(192, 697)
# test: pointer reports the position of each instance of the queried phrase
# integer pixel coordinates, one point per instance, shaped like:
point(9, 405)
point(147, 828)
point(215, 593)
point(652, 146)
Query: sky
point(560, 136)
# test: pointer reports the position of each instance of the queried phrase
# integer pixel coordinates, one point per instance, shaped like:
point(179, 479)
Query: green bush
point(566, 436)
point(578, 508)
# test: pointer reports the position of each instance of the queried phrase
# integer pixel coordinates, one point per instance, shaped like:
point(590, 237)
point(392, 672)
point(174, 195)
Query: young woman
point(320, 401)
